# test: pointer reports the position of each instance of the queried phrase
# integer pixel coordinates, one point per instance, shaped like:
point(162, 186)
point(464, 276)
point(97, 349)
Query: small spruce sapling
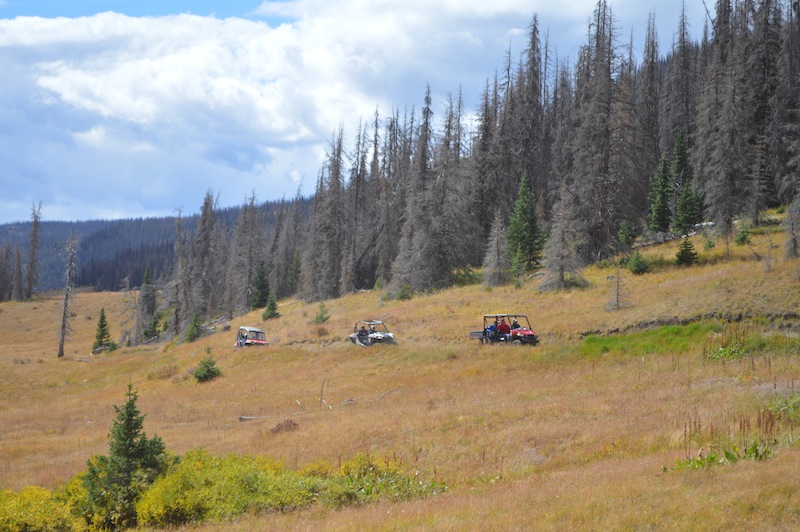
point(207, 370)
point(102, 338)
point(115, 482)
point(271, 310)
point(195, 329)
point(686, 254)
point(322, 315)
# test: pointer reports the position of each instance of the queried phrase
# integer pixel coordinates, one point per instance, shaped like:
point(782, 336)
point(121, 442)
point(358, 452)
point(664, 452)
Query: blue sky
point(134, 108)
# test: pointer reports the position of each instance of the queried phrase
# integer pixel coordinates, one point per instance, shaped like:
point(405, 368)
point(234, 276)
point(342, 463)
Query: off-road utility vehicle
point(519, 330)
point(250, 336)
point(369, 332)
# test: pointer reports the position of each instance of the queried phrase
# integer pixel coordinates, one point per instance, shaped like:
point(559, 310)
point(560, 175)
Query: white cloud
point(136, 112)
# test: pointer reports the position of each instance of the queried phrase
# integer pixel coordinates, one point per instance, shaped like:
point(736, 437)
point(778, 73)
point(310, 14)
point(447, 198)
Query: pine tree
point(660, 193)
point(115, 482)
point(688, 210)
point(195, 328)
point(102, 336)
point(686, 254)
point(524, 235)
point(271, 310)
point(261, 291)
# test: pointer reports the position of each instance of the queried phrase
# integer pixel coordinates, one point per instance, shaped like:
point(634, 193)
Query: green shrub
point(742, 237)
point(34, 509)
point(637, 264)
point(207, 370)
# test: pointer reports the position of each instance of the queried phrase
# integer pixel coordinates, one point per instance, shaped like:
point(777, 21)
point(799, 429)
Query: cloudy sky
point(136, 108)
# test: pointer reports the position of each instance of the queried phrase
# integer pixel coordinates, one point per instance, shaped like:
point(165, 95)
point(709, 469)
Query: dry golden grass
point(524, 437)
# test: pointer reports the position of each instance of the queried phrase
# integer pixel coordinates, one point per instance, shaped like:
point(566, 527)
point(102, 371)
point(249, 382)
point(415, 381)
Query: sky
point(137, 108)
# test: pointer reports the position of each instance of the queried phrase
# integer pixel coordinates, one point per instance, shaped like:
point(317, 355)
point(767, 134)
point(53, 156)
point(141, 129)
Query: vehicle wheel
point(516, 342)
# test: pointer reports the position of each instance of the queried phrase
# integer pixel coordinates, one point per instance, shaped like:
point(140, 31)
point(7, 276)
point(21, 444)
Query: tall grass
point(573, 433)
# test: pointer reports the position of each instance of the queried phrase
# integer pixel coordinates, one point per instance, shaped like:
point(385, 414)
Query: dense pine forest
point(563, 163)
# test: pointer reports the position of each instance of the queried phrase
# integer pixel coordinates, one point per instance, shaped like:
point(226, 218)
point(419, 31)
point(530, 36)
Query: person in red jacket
point(504, 329)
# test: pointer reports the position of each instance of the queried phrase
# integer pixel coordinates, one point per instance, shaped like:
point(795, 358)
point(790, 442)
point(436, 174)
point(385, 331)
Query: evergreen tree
point(660, 193)
point(195, 329)
point(688, 210)
point(102, 336)
point(524, 235)
point(686, 254)
point(115, 482)
point(261, 291)
point(271, 310)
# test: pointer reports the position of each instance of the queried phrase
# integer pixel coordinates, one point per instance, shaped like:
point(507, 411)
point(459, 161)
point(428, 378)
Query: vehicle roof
point(505, 316)
point(250, 329)
point(370, 322)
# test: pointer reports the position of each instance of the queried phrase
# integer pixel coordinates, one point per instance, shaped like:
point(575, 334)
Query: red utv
point(519, 330)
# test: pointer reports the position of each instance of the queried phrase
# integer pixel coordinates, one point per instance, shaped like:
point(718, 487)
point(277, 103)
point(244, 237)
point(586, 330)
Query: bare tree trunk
point(72, 250)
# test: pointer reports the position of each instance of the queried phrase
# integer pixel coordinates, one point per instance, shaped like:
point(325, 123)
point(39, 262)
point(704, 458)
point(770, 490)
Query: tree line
point(565, 164)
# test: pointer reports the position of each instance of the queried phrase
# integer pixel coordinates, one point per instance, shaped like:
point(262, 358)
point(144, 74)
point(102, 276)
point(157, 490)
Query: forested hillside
point(111, 251)
point(565, 162)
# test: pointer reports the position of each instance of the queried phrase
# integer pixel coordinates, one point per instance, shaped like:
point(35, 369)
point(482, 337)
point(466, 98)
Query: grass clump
point(757, 450)
point(363, 479)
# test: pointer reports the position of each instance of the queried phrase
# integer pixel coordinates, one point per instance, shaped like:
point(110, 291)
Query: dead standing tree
point(72, 251)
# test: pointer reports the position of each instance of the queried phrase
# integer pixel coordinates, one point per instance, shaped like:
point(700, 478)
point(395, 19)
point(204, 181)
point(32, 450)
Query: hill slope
point(581, 431)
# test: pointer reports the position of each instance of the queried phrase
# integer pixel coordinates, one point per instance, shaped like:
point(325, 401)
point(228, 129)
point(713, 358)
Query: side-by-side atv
point(514, 329)
point(248, 336)
point(370, 332)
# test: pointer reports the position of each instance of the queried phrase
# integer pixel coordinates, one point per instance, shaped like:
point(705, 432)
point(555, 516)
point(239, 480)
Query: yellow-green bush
point(205, 487)
point(34, 509)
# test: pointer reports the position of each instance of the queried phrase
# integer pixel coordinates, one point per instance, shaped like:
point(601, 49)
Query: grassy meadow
point(678, 410)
